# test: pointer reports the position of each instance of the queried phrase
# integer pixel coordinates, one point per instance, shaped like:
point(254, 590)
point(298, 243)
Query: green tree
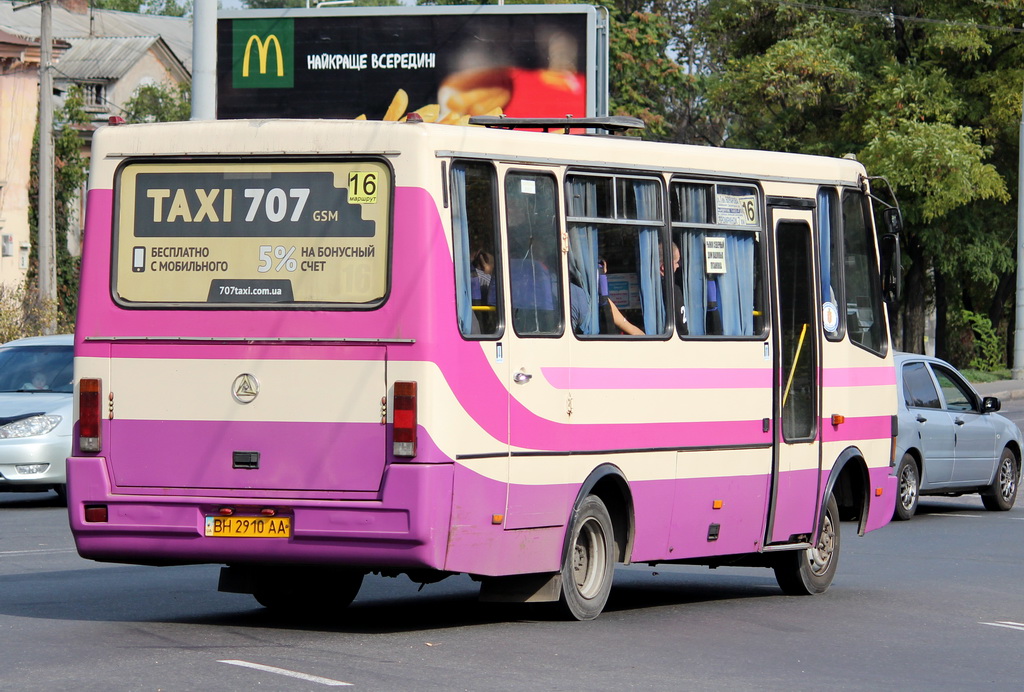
point(643, 80)
point(926, 94)
point(159, 103)
point(69, 176)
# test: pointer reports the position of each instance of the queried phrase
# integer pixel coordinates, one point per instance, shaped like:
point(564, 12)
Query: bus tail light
point(96, 514)
point(404, 429)
point(90, 413)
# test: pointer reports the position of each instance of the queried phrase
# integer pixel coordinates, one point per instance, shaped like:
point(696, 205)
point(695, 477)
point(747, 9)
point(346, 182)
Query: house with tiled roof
point(109, 54)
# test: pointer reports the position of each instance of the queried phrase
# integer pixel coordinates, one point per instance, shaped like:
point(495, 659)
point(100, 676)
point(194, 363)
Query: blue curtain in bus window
point(736, 286)
point(733, 290)
point(652, 298)
point(460, 233)
point(583, 252)
point(691, 260)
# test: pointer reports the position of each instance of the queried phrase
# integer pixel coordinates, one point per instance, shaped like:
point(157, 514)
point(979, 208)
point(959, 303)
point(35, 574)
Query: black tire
point(908, 487)
point(810, 571)
point(1000, 496)
point(308, 592)
point(589, 561)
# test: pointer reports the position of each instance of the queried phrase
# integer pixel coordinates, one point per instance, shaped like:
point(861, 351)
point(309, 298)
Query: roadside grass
point(979, 376)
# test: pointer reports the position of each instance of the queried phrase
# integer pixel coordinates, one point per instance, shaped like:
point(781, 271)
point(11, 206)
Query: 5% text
point(277, 258)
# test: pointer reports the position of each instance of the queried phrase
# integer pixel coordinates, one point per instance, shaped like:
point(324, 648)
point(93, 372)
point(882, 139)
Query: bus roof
point(343, 137)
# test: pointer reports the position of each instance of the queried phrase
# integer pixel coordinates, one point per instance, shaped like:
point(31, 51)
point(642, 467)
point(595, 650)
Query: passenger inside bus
point(610, 316)
point(483, 272)
point(677, 290)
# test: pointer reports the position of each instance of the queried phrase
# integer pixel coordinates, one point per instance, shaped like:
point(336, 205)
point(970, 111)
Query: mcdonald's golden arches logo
point(263, 53)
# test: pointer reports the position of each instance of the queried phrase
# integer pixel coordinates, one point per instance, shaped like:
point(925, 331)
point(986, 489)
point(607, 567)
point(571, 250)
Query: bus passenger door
point(538, 413)
point(796, 466)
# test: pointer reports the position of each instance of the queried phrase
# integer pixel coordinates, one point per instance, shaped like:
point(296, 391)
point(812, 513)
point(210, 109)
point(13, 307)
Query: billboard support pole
point(204, 61)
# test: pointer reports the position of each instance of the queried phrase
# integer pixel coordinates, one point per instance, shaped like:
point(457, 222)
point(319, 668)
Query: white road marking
point(1009, 625)
point(38, 551)
point(289, 673)
point(968, 516)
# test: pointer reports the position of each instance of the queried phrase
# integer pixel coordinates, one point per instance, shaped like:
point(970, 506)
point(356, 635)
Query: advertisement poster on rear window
point(444, 63)
point(268, 234)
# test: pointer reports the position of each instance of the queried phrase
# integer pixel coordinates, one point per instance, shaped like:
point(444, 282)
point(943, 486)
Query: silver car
point(951, 441)
point(36, 376)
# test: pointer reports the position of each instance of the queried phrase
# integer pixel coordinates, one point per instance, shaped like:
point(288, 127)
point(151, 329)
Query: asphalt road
point(933, 604)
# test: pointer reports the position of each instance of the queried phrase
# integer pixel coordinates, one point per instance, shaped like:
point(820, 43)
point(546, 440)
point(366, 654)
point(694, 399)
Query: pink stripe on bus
point(864, 428)
point(658, 378)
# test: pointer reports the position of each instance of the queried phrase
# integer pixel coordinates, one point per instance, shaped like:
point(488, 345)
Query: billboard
point(446, 63)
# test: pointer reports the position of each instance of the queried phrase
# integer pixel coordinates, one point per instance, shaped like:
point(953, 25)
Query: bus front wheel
point(589, 562)
point(810, 571)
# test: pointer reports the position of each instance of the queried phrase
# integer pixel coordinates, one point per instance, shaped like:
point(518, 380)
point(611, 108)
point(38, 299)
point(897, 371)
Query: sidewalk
point(1004, 389)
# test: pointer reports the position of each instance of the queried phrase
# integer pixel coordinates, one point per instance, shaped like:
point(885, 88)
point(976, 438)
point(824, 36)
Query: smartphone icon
point(139, 259)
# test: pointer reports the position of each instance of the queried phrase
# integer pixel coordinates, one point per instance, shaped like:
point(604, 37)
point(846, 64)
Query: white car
point(951, 441)
point(36, 383)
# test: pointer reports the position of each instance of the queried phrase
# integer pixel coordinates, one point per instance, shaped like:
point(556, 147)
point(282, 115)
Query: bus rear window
point(258, 234)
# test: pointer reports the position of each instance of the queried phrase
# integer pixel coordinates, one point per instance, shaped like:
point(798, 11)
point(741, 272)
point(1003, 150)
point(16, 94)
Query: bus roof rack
point(613, 123)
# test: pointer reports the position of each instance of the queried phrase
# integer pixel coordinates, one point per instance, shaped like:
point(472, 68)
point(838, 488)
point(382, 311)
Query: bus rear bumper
point(404, 528)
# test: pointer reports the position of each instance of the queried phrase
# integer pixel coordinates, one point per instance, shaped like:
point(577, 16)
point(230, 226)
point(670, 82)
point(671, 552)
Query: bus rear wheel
point(589, 562)
point(308, 591)
point(811, 571)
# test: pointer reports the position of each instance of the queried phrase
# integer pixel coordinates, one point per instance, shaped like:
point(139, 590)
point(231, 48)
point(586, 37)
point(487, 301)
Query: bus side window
point(831, 262)
point(534, 254)
point(617, 282)
point(475, 240)
point(864, 320)
point(720, 271)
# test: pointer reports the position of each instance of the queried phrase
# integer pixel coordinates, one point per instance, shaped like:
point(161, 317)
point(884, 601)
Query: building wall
point(19, 96)
point(149, 70)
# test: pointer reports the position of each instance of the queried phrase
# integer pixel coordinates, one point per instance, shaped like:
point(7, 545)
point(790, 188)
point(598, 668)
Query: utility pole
point(45, 242)
point(1018, 332)
point(47, 270)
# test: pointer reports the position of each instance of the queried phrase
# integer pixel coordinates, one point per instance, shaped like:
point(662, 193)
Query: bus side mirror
point(892, 266)
point(893, 220)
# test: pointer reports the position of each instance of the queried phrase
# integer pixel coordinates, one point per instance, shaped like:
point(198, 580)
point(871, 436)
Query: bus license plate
point(249, 527)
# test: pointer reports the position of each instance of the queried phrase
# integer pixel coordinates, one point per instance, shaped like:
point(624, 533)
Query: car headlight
point(29, 427)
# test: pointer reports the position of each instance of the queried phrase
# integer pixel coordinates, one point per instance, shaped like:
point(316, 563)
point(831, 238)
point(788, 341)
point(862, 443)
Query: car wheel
point(810, 571)
point(589, 562)
point(1000, 496)
point(909, 484)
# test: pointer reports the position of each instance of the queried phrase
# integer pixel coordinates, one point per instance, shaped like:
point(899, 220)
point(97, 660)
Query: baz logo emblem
point(245, 388)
